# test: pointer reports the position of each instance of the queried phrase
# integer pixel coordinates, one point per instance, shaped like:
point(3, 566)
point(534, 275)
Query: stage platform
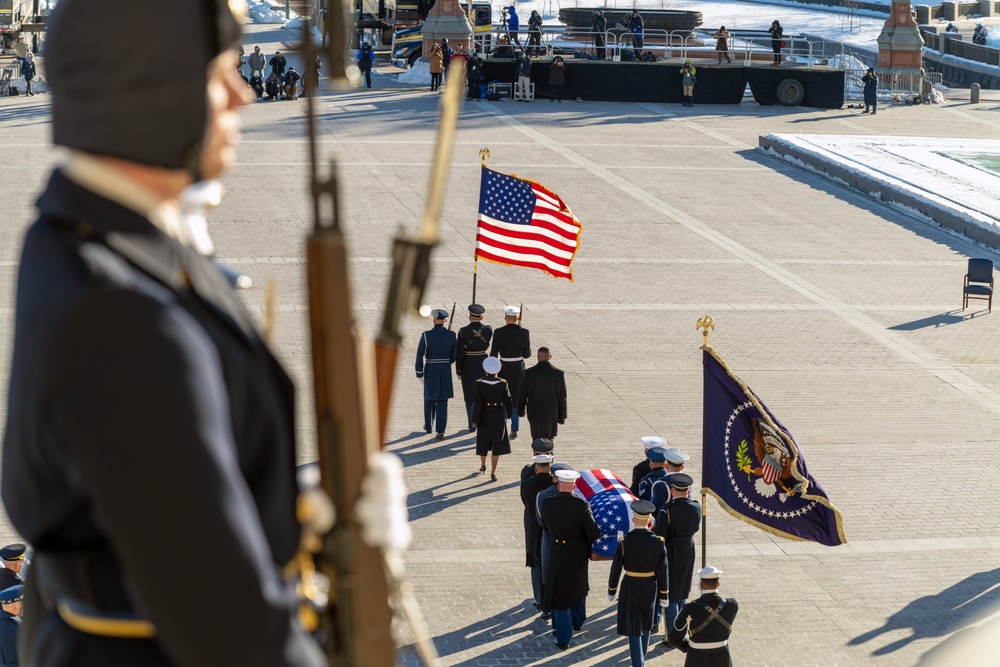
point(819, 87)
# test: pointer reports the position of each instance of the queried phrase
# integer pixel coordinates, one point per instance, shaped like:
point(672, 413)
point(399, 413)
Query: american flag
point(611, 503)
point(522, 223)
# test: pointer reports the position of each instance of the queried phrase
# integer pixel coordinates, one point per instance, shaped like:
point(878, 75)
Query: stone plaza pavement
point(841, 313)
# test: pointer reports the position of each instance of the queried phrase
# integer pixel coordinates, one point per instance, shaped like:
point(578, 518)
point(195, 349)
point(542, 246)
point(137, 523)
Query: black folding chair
point(979, 283)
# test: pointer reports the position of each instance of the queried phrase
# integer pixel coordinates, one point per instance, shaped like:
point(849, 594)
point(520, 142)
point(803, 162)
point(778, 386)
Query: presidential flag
point(611, 504)
point(754, 467)
point(522, 223)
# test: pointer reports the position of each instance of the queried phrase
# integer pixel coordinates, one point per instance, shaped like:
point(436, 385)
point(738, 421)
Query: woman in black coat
point(776, 32)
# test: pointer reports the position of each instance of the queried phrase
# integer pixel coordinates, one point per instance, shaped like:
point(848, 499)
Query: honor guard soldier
point(703, 626)
point(677, 523)
point(542, 397)
point(531, 486)
point(657, 457)
point(136, 368)
point(538, 446)
point(436, 352)
point(568, 520)
point(473, 344)
point(14, 558)
point(642, 557)
point(491, 405)
point(11, 609)
point(642, 468)
point(674, 460)
point(546, 538)
point(512, 345)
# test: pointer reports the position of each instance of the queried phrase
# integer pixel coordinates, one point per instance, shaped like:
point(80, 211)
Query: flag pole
point(483, 154)
point(704, 324)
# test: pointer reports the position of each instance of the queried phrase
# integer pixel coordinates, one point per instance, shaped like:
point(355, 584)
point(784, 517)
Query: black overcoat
point(677, 523)
point(530, 488)
point(148, 422)
point(640, 552)
point(639, 470)
point(570, 523)
point(473, 344)
point(490, 407)
point(543, 397)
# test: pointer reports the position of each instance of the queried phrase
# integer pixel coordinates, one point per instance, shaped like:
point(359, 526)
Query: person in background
point(291, 83)
point(256, 60)
point(278, 64)
point(436, 66)
point(636, 28)
point(446, 54)
point(776, 32)
point(535, 33)
point(11, 610)
point(870, 81)
point(557, 78)
point(513, 24)
point(14, 560)
point(599, 27)
point(522, 72)
point(722, 44)
point(28, 72)
point(687, 81)
point(365, 61)
point(474, 76)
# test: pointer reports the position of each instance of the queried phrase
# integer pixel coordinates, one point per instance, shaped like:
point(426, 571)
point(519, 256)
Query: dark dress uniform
point(473, 344)
point(512, 345)
point(148, 420)
point(436, 352)
point(702, 630)
point(647, 482)
point(642, 556)
point(492, 404)
point(9, 578)
point(639, 471)
point(677, 523)
point(568, 520)
point(530, 488)
point(543, 396)
point(10, 625)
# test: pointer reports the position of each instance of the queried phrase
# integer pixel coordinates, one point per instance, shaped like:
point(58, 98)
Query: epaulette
point(661, 538)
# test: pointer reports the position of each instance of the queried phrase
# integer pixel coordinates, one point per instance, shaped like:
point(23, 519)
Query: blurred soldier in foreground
point(148, 421)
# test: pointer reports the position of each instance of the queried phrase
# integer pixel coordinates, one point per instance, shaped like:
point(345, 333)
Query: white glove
point(611, 598)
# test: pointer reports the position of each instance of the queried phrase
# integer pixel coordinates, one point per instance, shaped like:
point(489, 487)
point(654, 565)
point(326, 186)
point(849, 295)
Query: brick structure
point(900, 45)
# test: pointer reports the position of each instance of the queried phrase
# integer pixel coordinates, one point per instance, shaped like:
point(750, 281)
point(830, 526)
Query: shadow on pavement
point(424, 503)
point(942, 320)
point(506, 632)
point(940, 614)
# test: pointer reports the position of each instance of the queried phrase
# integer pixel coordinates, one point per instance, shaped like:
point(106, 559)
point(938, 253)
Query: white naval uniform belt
point(438, 361)
point(509, 359)
point(707, 646)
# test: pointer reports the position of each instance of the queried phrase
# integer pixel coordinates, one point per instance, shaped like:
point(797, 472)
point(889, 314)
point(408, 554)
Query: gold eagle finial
point(705, 324)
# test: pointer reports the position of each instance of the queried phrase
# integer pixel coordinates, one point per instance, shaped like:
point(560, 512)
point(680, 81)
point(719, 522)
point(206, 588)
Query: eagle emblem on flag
point(775, 462)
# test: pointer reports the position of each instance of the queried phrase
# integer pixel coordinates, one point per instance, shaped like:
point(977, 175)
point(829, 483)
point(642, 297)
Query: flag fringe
point(763, 526)
point(765, 413)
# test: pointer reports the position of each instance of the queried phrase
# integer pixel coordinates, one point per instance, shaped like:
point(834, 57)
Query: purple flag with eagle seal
point(754, 467)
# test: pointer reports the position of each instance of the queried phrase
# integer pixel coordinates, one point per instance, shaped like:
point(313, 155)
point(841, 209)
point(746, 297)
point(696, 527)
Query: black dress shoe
point(426, 430)
point(563, 647)
point(472, 429)
point(440, 436)
point(513, 435)
point(666, 645)
point(546, 616)
point(577, 629)
point(536, 605)
point(493, 477)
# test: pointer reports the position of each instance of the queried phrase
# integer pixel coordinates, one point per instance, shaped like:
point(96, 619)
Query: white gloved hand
point(611, 598)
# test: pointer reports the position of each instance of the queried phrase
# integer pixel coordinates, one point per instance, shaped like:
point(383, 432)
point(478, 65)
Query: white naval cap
point(511, 311)
point(650, 441)
point(492, 365)
point(710, 572)
point(542, 458)
point(567, 475)
point(676, 456)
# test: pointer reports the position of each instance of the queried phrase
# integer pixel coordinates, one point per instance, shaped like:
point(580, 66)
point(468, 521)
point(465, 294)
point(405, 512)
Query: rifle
point(350, 414)
point(452, 318)
point(520, 313)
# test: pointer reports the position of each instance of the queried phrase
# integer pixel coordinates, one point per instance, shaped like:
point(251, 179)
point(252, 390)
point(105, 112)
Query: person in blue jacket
point(436, 352)
point(513, 24)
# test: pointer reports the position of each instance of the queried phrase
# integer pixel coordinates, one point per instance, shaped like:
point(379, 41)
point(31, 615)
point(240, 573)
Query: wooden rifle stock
point(451, 319)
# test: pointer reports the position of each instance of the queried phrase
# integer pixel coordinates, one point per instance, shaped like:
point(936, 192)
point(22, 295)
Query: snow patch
point(267, 11)
point(419, 74)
